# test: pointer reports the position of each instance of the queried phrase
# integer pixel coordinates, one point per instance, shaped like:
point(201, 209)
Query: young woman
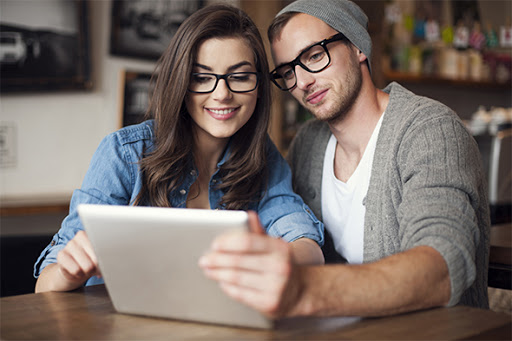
point(207, 147)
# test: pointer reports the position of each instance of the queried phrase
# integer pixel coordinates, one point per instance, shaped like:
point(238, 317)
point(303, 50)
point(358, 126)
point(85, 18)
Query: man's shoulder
point(312, 128)
point(311, 139)
point(309, 143)
point(405, 105)
point(400, 96)
point(314, 124)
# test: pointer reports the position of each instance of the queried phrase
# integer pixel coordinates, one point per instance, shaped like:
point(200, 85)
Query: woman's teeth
point(222, 112)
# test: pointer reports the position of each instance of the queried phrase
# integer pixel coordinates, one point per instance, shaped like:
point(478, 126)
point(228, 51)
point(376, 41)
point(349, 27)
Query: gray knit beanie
point(342, 15)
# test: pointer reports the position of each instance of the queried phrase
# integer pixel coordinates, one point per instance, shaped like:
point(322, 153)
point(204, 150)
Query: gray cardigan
point(427, 187)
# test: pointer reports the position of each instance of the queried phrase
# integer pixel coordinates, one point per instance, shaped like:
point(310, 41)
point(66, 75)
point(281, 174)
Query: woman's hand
point(76, 263)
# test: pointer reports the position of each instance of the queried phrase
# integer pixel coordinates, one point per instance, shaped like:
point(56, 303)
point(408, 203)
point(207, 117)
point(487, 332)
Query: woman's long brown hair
point(244, 175)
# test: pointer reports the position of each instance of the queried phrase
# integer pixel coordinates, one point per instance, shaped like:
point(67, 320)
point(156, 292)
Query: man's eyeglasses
point(313, 59)
point(237, 82)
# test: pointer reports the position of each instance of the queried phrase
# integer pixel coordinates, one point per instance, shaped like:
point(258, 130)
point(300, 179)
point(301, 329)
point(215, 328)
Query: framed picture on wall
point(44, 46)
point(135, 90)
point(143, 29)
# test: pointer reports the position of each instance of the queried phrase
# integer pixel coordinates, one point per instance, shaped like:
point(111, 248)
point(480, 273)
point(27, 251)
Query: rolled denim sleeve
point(283, 212)
point(107, 181)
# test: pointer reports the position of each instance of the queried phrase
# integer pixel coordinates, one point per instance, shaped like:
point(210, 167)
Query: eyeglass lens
point(236, 82)
point(314, 59)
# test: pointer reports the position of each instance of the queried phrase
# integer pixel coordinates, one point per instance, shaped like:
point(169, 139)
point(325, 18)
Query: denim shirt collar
point(178, 198)
point(226, 155)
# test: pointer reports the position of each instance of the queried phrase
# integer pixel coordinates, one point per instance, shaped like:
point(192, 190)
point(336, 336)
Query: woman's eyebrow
point(203, 66)
point(231, 68)
point(238, 65)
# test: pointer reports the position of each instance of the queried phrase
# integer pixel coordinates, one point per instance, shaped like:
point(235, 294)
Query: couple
point(395, 177)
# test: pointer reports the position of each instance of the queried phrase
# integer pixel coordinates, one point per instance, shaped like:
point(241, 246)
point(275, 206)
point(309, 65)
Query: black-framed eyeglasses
point(313, 59)
point(239, 82)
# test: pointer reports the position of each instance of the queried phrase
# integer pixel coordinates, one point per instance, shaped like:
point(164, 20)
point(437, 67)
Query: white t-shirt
point(342, 203)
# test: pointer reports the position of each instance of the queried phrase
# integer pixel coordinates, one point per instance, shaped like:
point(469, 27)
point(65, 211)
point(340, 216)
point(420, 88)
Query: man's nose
point(304, 78)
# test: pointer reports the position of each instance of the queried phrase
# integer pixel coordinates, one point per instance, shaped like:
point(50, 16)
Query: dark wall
point(23, 237)
point(17, 257)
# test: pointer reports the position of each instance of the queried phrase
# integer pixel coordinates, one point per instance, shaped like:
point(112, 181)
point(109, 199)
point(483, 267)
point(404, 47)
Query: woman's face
point(218, 115)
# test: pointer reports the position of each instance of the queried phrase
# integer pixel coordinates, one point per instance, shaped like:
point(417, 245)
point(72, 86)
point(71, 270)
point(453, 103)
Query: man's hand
point(254, 269)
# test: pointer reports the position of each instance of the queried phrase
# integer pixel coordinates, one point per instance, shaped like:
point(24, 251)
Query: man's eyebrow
point(231, 68)
point(300, 52)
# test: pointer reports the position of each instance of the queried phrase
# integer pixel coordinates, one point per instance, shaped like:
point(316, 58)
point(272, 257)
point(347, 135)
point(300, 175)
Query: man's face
point(330, 93)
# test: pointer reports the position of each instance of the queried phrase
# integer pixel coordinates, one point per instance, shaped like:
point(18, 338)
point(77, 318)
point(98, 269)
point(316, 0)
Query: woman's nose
point(222, 92)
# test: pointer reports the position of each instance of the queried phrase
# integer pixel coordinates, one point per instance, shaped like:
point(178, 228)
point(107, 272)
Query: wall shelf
point(436, 80)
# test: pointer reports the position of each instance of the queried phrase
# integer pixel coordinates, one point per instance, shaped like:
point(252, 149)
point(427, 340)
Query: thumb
point(254, 223)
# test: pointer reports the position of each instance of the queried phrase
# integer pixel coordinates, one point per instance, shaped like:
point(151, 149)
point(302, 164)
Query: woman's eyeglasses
point(237, 82)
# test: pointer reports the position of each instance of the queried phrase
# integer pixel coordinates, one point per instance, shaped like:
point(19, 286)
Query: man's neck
point(355, 130)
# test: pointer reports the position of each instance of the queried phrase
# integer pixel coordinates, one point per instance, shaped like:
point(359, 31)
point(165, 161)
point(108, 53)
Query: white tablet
point(149, 256)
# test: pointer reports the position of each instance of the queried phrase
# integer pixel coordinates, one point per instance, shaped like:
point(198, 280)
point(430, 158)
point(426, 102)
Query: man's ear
point(362, 56)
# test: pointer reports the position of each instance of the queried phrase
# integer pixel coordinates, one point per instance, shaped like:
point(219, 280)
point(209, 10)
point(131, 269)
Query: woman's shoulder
point(138, 138)
point(271, 148)
point(135, 133)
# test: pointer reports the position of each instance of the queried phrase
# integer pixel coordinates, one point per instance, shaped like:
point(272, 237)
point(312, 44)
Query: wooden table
point(88, 314)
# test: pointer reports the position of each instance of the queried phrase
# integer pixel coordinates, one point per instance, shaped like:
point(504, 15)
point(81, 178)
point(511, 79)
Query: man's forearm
point(412, 280)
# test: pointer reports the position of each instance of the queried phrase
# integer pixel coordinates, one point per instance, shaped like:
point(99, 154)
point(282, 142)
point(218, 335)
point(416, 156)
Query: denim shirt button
point(214, 181)
point(193, 172)
point(183, 192)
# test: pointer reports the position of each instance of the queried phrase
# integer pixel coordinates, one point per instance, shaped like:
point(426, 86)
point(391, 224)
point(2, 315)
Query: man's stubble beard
point(343, 101)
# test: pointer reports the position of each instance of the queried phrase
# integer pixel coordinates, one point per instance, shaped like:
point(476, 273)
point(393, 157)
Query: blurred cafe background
point(73, 71)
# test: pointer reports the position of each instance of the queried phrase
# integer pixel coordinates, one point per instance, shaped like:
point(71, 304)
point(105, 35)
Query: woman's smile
point(222, 113)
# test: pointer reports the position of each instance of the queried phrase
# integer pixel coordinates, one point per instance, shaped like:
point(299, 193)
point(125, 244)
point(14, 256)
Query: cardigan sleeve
point(441, 194)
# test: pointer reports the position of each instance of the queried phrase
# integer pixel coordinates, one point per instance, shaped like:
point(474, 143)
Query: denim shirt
point(114, 178)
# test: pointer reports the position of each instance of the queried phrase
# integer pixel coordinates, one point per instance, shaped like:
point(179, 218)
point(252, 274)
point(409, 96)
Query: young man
point(395, 177)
